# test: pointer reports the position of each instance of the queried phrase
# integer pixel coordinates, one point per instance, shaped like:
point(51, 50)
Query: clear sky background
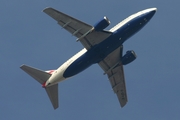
point(29, 36)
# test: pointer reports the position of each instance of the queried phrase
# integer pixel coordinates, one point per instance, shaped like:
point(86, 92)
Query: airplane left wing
point(83, 31)
point(114, 70)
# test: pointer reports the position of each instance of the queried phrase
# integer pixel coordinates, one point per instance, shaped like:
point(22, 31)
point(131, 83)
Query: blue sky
point(29, 36)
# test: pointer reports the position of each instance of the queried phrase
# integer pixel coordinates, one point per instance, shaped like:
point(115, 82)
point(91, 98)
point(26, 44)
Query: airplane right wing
point(114, 70)
point(83, 31)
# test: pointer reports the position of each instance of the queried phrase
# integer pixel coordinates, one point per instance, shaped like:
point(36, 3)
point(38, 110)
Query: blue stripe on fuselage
point(100, 51)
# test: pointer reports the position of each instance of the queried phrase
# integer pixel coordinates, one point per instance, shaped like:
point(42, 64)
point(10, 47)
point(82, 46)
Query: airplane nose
point(148, 13)
point(153, 9)
point(151, 12)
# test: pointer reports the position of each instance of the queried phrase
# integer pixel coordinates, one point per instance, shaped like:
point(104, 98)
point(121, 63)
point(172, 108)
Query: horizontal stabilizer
point(39, 75)
point(42, 77)
point(52, 92)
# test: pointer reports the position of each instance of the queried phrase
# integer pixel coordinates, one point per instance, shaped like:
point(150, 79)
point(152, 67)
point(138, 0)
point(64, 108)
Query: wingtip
point(55, 107)
point(45, 9)
point(22, 66)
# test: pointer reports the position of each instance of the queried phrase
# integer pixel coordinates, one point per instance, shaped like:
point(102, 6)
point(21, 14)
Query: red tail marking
point(44, 85)
point(51, 71)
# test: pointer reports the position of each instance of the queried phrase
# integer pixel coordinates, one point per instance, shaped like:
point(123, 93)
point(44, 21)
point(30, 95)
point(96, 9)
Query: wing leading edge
point(114, 70)
point(83, 31)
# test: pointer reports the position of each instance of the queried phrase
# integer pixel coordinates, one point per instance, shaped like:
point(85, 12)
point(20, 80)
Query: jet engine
point(102, 24)
point(128, 57)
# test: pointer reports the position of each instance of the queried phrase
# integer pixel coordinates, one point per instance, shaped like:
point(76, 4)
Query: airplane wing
point(84, 32)
point(114, 70)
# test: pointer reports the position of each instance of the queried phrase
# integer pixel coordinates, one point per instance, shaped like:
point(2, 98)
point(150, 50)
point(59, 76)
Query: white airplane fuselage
point(85, 58)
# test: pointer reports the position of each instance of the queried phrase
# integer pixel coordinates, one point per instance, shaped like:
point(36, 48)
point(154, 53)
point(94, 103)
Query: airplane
point(104, 47)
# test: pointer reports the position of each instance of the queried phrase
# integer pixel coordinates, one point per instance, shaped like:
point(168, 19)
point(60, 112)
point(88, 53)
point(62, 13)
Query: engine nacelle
point(128, 57)
point(102, 24)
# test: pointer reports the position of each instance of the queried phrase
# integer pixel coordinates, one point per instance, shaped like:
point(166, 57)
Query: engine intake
point(128, 57)
point(102, 24)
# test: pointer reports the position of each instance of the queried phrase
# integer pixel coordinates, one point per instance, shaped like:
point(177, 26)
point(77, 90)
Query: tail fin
point(42, 77)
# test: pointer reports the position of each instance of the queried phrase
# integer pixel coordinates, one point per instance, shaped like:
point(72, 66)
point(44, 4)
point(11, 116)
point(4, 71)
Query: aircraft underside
point(104, 47)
